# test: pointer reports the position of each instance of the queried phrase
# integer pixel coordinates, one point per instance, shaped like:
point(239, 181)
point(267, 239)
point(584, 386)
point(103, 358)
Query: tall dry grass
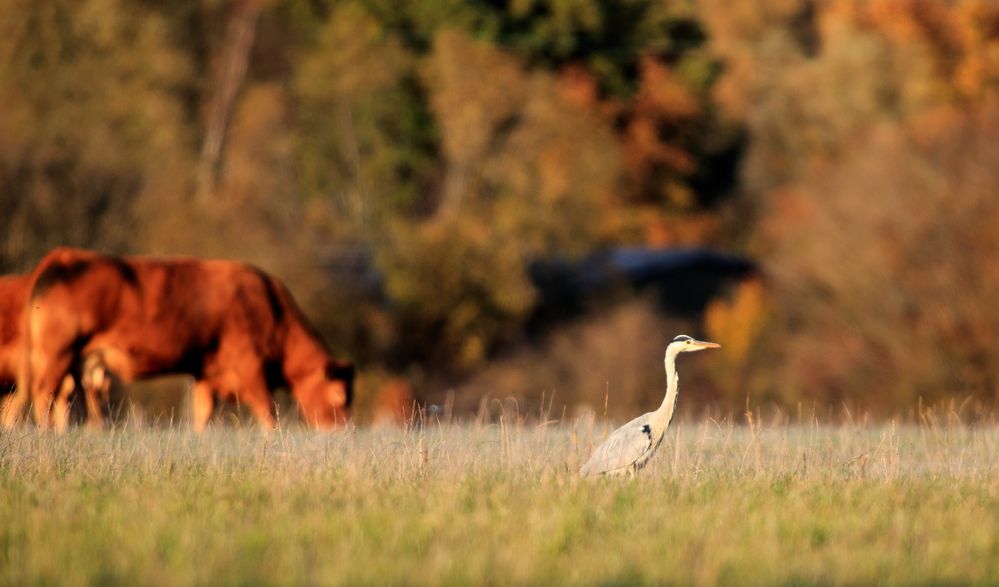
point(499, 503)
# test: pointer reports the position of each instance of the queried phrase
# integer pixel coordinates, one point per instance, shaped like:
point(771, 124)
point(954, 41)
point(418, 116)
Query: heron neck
point(665, 412)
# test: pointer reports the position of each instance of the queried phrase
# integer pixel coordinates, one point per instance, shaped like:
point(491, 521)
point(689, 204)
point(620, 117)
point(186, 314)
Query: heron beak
point(707, 345)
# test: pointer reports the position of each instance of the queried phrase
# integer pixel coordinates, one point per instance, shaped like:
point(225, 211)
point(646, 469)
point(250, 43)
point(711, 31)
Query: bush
point(886, 267)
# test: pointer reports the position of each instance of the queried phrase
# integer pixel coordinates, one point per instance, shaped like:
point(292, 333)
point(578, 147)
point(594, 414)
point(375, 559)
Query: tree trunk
point(229, 78)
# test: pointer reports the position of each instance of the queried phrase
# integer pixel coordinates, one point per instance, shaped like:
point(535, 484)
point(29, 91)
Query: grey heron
point(631, 446)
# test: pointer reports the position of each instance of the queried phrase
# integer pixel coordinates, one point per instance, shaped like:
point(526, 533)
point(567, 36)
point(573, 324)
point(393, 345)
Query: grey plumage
point(630, 447)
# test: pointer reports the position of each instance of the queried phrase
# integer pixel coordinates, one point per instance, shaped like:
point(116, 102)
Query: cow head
point(325, 397)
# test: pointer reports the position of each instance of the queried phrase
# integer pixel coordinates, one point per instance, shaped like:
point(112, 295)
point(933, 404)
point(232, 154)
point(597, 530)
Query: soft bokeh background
point(406, 167)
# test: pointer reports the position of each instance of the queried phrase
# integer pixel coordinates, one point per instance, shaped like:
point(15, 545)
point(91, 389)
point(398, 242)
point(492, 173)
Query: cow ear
point(341, 371)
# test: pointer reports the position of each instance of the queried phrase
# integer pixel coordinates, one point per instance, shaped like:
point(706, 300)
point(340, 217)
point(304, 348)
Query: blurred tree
point(364, 137)
point(889, 298)
point(753, 40)
point(852, 115)
point(527, 173)
point(958, 39)
point(230, 72)
point(477, 91)
point(647, 64)
point(459, 289)
point(90, 123)
point(740, 322)
point(449, 142)
point(609, 38)
point(424, 122)
point(808, 78)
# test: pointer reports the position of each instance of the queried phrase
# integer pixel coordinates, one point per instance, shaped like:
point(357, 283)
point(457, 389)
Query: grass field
point(499, 504)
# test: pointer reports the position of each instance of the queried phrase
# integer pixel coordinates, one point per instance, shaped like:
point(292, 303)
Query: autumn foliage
point(401, 165)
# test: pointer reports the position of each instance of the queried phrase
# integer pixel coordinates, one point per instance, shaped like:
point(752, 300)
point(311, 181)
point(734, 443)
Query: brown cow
point(14, 291)
point(236, 330)
point(13, 294)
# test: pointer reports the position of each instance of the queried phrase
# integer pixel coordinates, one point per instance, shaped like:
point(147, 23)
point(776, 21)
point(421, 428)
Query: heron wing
point(623, 448)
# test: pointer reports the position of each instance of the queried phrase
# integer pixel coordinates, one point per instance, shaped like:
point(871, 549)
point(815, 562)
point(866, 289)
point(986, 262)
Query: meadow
point(469, 504)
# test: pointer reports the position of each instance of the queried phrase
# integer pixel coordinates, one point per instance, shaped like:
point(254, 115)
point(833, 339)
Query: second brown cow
point(14, 291)
point(13, 295)
point(232, 327)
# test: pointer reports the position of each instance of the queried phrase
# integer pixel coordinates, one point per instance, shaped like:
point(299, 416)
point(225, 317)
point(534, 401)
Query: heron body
point(630, 447)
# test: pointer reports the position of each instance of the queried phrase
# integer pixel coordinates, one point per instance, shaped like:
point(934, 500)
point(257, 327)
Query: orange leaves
point(661, 95)
point(661, 106)
point(558, 155)
point(889, 276)
point(652, 132)
point(738, 322)
point(869, 148)
point(978, 36)
point(538, 163)
point(578, 87)
point(908, 54)
point(959, 38)
point(745, 36)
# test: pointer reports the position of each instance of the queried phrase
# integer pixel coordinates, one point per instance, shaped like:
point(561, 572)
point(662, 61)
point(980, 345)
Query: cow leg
point(44, 385)
point(16, 403)
point(6, 405)
point(258, 398)
point(96, 383)
point(239, 374)
point(13, 406)
point(248, 387)
point(61, 406)
point(202, 405)
point(47, 362)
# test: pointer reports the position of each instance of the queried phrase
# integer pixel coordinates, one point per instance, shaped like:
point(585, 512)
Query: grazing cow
point(235, 329)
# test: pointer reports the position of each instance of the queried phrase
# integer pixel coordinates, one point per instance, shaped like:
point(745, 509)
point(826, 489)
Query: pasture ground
point(499, 504)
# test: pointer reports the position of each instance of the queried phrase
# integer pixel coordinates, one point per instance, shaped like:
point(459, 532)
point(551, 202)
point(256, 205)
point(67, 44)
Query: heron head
point(686, 344)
